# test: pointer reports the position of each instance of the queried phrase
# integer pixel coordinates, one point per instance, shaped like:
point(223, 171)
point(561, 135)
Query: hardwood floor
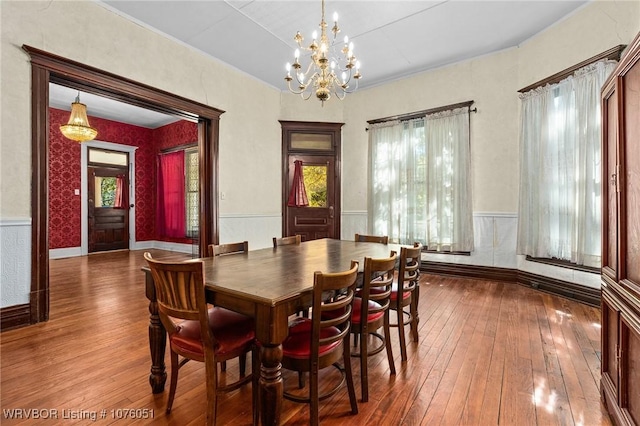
point(489, 353)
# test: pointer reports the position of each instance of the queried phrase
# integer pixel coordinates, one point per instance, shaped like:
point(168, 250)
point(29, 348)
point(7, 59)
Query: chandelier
point(327, 59)
point(78, 128)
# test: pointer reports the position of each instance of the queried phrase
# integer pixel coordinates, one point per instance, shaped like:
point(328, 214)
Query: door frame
point(49, 68)
point(312, 127)
point(84, 190)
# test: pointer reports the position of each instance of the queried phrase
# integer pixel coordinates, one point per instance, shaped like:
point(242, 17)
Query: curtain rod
point(420, 114)
point(178, 148)
point(613, 54)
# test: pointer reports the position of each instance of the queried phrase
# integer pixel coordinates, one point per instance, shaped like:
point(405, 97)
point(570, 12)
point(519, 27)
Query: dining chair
point(294, 239)
point(222, 250)
point(200, 332)
point(406, 292)
point(382, 239)
point(229, 248)
point(322, 341)
point(371, 312)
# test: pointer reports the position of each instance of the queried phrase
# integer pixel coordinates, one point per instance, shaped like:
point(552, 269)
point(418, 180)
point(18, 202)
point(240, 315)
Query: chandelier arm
point(296, 92)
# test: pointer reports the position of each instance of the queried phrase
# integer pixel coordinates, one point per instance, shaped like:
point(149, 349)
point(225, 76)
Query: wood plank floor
point(489, 353)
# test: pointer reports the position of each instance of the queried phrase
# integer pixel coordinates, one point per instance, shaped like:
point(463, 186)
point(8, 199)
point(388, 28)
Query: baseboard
point(15, 316)
point(569, 290)
point(579, 293)
point(470, 271)
point(61, 253)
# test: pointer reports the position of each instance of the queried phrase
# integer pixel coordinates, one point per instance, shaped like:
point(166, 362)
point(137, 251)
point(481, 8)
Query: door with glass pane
point(315, 220)
point(311, 196)
point(108, 207)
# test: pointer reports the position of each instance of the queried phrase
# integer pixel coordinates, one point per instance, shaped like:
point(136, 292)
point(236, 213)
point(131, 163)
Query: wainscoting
point(15, 262)
point(495, 258)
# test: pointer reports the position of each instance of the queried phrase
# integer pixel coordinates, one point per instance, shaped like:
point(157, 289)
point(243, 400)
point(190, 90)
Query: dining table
point(269, 285)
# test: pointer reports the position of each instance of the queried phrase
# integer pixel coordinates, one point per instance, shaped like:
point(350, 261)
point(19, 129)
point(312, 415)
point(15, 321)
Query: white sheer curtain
point(419, 181)
point(560, 197)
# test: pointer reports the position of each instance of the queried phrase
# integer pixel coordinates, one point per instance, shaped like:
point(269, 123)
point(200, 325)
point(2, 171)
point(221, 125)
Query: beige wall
point(109, 42)
point(492, 82)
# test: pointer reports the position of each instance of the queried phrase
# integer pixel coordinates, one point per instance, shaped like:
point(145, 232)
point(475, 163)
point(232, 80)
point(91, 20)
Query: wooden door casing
point(312, 222)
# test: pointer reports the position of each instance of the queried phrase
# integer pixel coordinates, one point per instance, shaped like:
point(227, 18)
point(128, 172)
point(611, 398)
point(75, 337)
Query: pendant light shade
point(78, 128)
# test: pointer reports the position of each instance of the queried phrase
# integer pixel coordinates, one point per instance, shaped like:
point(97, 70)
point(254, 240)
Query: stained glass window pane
point(311, 141)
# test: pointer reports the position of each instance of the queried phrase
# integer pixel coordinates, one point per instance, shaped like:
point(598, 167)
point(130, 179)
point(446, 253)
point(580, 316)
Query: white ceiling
point(393, 39)
point(61, 97)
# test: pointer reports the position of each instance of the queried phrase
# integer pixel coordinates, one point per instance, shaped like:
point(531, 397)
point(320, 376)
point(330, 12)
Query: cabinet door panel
point(610, 213)
point(631, 165)
point(610, 319)
point(630, 372)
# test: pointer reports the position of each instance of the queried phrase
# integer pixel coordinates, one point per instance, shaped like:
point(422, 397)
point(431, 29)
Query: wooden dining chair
point(223, 250)
point(284, 241)
point(323, 340)
point(371, 312)
point(406, 292)
point(200, 332)
point(382, 239)
point(229, 248)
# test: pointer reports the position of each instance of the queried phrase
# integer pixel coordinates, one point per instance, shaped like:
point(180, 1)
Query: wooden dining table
point(269, 285)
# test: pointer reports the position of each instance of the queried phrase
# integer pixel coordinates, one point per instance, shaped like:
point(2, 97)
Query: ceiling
point(393, 39)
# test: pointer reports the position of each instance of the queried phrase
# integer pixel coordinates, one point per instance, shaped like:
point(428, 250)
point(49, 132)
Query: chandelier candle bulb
point(325, 58)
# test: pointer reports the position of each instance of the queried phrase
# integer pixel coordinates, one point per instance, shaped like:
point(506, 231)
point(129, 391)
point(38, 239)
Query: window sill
point(563, 264)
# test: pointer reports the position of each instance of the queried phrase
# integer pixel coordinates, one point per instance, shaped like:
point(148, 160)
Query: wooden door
point(316, 220)
point(317, 146)
point(108, 225)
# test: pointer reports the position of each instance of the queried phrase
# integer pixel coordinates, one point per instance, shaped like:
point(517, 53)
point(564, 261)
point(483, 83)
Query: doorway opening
point(47, 68)
point(311, 165)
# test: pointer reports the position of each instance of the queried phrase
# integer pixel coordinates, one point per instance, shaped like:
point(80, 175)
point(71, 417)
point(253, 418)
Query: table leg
point(271, 386)
point(157, 340)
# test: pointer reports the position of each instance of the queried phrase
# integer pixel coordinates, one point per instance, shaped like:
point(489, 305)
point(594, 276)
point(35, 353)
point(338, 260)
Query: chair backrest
point(382, 239)
point(295, 239)
point(409, 269)
point(180, 294)
point(229, 248)
point(378, 273)
point(342, 285)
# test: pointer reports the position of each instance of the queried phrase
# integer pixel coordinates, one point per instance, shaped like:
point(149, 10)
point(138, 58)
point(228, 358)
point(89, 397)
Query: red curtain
point(122, 196)
point(171, 195)
point(298, 195)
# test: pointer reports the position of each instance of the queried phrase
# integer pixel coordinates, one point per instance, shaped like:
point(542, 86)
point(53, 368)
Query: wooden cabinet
point(620, 382)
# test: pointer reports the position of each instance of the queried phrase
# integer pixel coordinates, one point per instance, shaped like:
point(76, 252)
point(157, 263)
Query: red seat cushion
point(356, 313)
point(298, 344)
point(394, 292)
point(231, 330)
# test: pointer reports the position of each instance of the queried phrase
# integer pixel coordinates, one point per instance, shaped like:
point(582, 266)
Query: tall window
point(178, 194)
point(560, 197)
point(192, 191)
point(419, 182)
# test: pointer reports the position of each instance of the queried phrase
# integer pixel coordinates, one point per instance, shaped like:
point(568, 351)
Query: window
point(419, 183)
point(315, 184)
point(178, 193)
point(560, 202)
point(192, 188)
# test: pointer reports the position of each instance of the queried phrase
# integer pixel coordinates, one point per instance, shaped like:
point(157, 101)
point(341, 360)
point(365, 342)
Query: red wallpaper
point(64, 172)
point(175, 134)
